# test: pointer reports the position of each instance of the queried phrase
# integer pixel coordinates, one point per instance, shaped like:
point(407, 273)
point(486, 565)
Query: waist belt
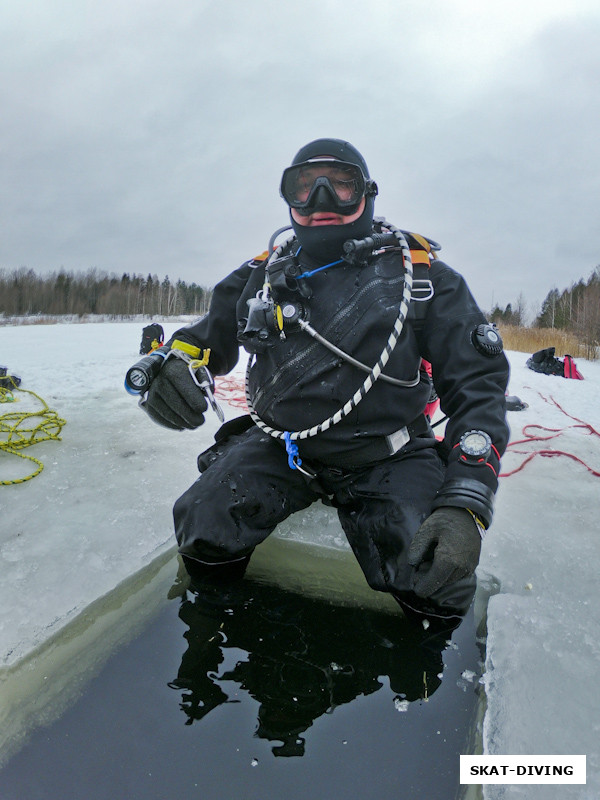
point(386, 446)
point(382, 447)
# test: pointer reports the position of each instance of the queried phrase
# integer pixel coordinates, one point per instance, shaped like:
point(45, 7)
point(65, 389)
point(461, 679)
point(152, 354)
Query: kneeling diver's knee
point(225, 571)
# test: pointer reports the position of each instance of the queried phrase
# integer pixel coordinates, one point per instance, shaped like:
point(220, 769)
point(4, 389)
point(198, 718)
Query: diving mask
point(325, 184)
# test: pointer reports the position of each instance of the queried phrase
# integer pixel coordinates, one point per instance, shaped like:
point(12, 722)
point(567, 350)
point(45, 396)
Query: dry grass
point(529, 340)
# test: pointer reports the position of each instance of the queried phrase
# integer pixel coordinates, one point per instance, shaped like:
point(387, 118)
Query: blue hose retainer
point(312, 272)
point(294, 460)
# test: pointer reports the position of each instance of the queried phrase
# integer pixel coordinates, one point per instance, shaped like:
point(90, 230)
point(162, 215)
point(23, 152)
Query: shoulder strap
point(422, 249)
point(422, 252)
point(259, 259)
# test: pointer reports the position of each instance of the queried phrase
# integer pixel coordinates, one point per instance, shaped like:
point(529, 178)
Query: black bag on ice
point(153, 336)
point(544, 361)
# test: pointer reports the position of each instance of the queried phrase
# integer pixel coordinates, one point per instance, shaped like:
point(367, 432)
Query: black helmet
point(329, 175)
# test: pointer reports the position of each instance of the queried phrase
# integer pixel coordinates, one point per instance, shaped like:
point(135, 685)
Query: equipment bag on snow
point(153, 336)
point(8, 381)
point(544, 361)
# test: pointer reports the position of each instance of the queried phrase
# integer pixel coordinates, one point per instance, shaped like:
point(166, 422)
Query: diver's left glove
point(173, 399)
point(445, 549)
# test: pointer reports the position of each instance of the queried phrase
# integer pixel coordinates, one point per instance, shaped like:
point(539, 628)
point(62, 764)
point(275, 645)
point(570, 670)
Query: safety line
point(19, 437)
point(555, 433)
point(231, 391)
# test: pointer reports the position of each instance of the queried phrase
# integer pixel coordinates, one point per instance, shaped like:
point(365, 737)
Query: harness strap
point(419, 257)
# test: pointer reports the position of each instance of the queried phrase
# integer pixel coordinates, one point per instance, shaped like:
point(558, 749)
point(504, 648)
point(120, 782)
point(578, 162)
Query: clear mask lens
point(343, 183)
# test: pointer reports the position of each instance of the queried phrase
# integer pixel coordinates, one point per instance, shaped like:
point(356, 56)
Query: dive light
point(140, 376)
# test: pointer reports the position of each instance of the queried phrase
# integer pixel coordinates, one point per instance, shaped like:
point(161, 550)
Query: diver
point(339, 320)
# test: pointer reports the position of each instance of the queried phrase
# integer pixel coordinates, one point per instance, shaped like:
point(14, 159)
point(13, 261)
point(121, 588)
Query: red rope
point(560, 408)
point(231, 391)
point(554, 433)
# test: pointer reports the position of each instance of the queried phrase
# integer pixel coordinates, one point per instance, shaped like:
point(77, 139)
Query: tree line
point(575, 310)
point(23, 292)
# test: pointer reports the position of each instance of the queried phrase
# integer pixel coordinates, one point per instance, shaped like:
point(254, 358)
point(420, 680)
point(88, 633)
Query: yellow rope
point(12, 426)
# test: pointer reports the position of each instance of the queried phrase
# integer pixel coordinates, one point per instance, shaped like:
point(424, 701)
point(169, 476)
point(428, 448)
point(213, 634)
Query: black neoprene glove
point(173, 399)
point(445, 549)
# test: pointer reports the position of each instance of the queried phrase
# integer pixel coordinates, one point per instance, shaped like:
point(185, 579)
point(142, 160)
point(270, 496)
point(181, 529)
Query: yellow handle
point(192, 351)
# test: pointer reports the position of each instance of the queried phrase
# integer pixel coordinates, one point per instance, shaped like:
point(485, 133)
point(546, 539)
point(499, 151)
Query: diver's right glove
point(173, 399)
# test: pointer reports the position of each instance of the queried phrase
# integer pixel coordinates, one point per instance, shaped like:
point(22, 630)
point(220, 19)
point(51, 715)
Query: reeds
point(529, 340)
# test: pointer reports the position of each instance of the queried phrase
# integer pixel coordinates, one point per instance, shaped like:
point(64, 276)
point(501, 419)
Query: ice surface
point(101, 510)
point(541, 557)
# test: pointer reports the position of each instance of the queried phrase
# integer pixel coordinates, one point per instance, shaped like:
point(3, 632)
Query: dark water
point(262, 693)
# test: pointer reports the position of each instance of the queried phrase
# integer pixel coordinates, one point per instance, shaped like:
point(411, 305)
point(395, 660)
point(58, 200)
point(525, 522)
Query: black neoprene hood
point(325, 242)
point(337, 148)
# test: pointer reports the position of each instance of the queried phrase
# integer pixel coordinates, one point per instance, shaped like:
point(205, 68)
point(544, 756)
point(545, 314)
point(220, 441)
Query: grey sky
point(149, 136)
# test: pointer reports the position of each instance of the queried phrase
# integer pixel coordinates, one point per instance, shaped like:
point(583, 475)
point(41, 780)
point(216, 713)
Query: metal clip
point(204, 380)
point(201, 377)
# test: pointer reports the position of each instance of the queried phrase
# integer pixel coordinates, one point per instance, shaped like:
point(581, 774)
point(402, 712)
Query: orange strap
point(419, 257)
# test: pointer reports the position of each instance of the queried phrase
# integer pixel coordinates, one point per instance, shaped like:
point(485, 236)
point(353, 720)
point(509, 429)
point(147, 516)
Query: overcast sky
point(150, 135)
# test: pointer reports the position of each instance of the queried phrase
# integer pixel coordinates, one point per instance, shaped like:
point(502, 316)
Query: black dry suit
point(380, 465)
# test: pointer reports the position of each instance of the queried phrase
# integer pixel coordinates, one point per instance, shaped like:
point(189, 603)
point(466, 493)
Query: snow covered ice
point(541, 561)
point(101, 510)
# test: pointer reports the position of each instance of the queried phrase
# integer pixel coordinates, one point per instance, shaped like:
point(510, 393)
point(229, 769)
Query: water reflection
point(298, 657)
